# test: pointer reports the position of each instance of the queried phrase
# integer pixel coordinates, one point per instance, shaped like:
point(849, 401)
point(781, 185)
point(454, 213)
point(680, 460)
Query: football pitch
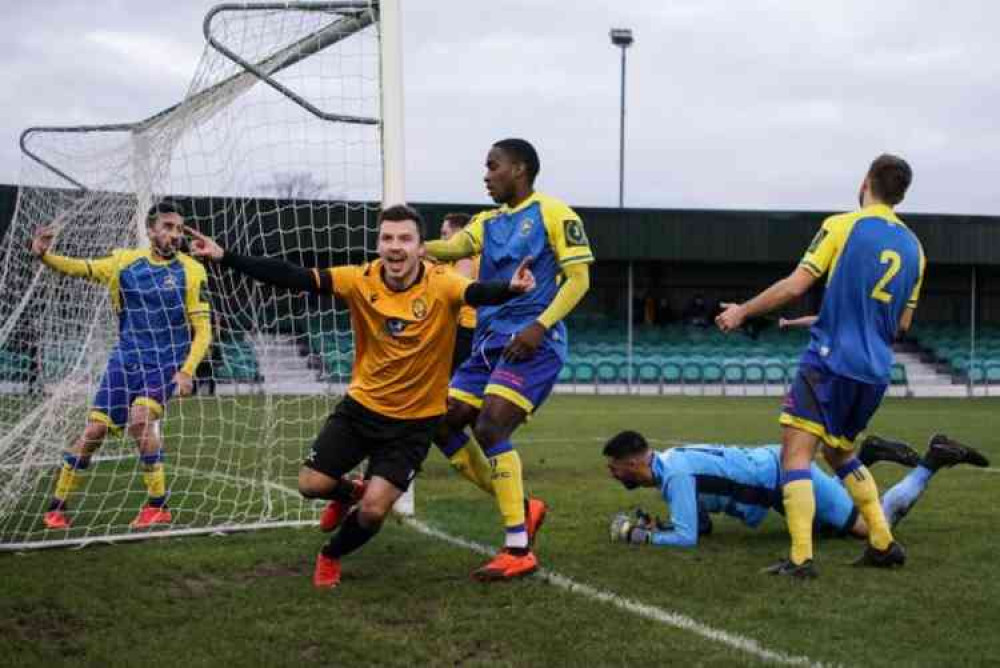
point(407, 599)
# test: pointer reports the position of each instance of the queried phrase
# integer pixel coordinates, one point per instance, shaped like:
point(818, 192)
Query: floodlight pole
point(622, 38)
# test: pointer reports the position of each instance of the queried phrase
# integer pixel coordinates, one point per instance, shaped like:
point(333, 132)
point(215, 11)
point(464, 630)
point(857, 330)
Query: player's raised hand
point(184, 384)
point(731, 318)
point(203, 246)
point(42, 240)
point(523, 280)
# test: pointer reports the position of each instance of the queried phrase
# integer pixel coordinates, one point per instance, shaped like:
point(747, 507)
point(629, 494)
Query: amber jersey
point(467, 314)
point(403, 341)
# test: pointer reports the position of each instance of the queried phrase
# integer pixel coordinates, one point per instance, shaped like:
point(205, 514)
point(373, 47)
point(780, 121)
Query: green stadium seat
point(648, 372)
point(732, 373)
point(774, 373)
point(711, 372)
point(607, 371)
point(671, 372)
point(566, 374)
point(691, 372)
point(755, 373)
point(584, 372)
point(993, 373)
point(898, 374)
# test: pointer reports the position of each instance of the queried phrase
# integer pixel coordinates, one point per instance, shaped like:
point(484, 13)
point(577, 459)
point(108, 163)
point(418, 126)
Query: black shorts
point(395, 448)
point(463, 347)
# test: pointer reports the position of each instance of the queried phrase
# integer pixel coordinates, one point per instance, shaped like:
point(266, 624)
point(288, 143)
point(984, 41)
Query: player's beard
point(166, 251)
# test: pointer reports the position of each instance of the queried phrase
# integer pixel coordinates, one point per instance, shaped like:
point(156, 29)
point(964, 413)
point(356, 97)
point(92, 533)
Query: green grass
point(406, 598)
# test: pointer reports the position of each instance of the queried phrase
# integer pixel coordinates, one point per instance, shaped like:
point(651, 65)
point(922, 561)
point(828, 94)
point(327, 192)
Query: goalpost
point(287, 141)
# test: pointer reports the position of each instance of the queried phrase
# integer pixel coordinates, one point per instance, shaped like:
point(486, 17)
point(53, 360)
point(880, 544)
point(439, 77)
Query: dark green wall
point(755, 236)
point(674, 234)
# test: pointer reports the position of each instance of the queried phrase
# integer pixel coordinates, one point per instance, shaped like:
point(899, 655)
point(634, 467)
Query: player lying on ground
point(697, 481)
point(519, 347)
point(404, 316)
point(164, 330)
point(875, 267)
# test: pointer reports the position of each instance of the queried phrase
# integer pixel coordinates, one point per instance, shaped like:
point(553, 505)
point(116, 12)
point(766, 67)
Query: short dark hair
point(458, 220)
point(625, 444)
point(522, 151)
point(164, 207)
point(400, 212)
point(889, 176)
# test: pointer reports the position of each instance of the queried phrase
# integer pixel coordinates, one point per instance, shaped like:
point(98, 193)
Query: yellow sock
point(508, 488)
point(69, 477)
point(861, 486)
point(155, 478)
point(800, 509)
point(473, 465)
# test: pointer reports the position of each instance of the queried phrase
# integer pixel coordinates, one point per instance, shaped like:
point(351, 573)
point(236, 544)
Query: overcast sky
point(761, 104)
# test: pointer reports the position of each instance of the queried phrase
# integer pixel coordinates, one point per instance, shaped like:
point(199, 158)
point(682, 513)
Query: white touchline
point(674, 619)
point(654, 613)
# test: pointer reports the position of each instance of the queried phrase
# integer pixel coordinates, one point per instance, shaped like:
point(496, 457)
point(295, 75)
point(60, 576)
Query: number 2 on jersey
point(891, 258)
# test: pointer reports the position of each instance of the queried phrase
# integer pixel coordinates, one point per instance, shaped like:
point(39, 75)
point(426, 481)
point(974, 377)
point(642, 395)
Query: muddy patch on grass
point(45, 624)
point(194, 586)
point(270, 570)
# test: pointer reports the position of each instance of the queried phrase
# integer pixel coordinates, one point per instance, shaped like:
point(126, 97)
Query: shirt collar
point(381, 277)
point(881, 211)
point(531, 199)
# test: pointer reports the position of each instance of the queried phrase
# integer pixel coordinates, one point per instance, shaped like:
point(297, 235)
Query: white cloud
point(771, 104)
point(151, 55)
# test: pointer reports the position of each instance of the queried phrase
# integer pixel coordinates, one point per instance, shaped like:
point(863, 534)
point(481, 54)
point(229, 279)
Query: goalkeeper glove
point(626, 529)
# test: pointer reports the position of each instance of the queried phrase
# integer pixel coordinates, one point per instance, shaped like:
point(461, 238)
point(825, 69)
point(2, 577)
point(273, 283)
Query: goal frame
point(357, 16)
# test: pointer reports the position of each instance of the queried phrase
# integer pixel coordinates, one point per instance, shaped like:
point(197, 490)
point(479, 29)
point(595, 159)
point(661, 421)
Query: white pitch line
point(674, 619)
point(661, 615)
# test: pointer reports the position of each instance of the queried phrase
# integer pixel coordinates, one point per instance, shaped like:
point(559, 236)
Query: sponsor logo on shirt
point(573, 230)
point(395, 326)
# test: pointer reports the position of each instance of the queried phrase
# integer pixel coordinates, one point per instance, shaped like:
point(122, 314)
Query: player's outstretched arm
point(264, 269)
point(804, 322)
point(492, 293)
point(791, 287)
point(100, 270)
point(458, 247)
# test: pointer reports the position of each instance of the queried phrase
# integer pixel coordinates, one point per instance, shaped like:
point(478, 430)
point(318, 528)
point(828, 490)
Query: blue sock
point(896, 503)
point(456, 441)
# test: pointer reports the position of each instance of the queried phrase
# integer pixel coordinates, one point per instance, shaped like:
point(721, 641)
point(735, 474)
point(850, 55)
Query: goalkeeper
point(158, 295)
point(700, 480)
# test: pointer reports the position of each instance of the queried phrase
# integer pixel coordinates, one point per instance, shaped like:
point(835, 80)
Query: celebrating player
point(164, 330)
point(875, 266)
point(519, 347)
point(699, 480)
point(403, 313)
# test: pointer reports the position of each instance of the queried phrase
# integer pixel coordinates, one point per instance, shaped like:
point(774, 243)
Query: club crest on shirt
point(526, 226)
point(419, 308)
point(170, 283)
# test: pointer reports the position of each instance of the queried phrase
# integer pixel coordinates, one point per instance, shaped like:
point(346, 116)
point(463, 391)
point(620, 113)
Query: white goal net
point(276, 149)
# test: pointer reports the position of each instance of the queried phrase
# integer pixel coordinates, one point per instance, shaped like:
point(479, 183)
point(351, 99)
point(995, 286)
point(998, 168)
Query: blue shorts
point(124, 384)
point(832, 407)
point(525, 383)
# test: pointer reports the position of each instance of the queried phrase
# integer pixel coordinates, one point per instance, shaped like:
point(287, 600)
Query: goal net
point(277, 150)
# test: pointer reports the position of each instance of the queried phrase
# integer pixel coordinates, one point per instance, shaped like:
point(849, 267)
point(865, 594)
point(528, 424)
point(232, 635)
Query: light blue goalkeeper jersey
point(696, 480)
